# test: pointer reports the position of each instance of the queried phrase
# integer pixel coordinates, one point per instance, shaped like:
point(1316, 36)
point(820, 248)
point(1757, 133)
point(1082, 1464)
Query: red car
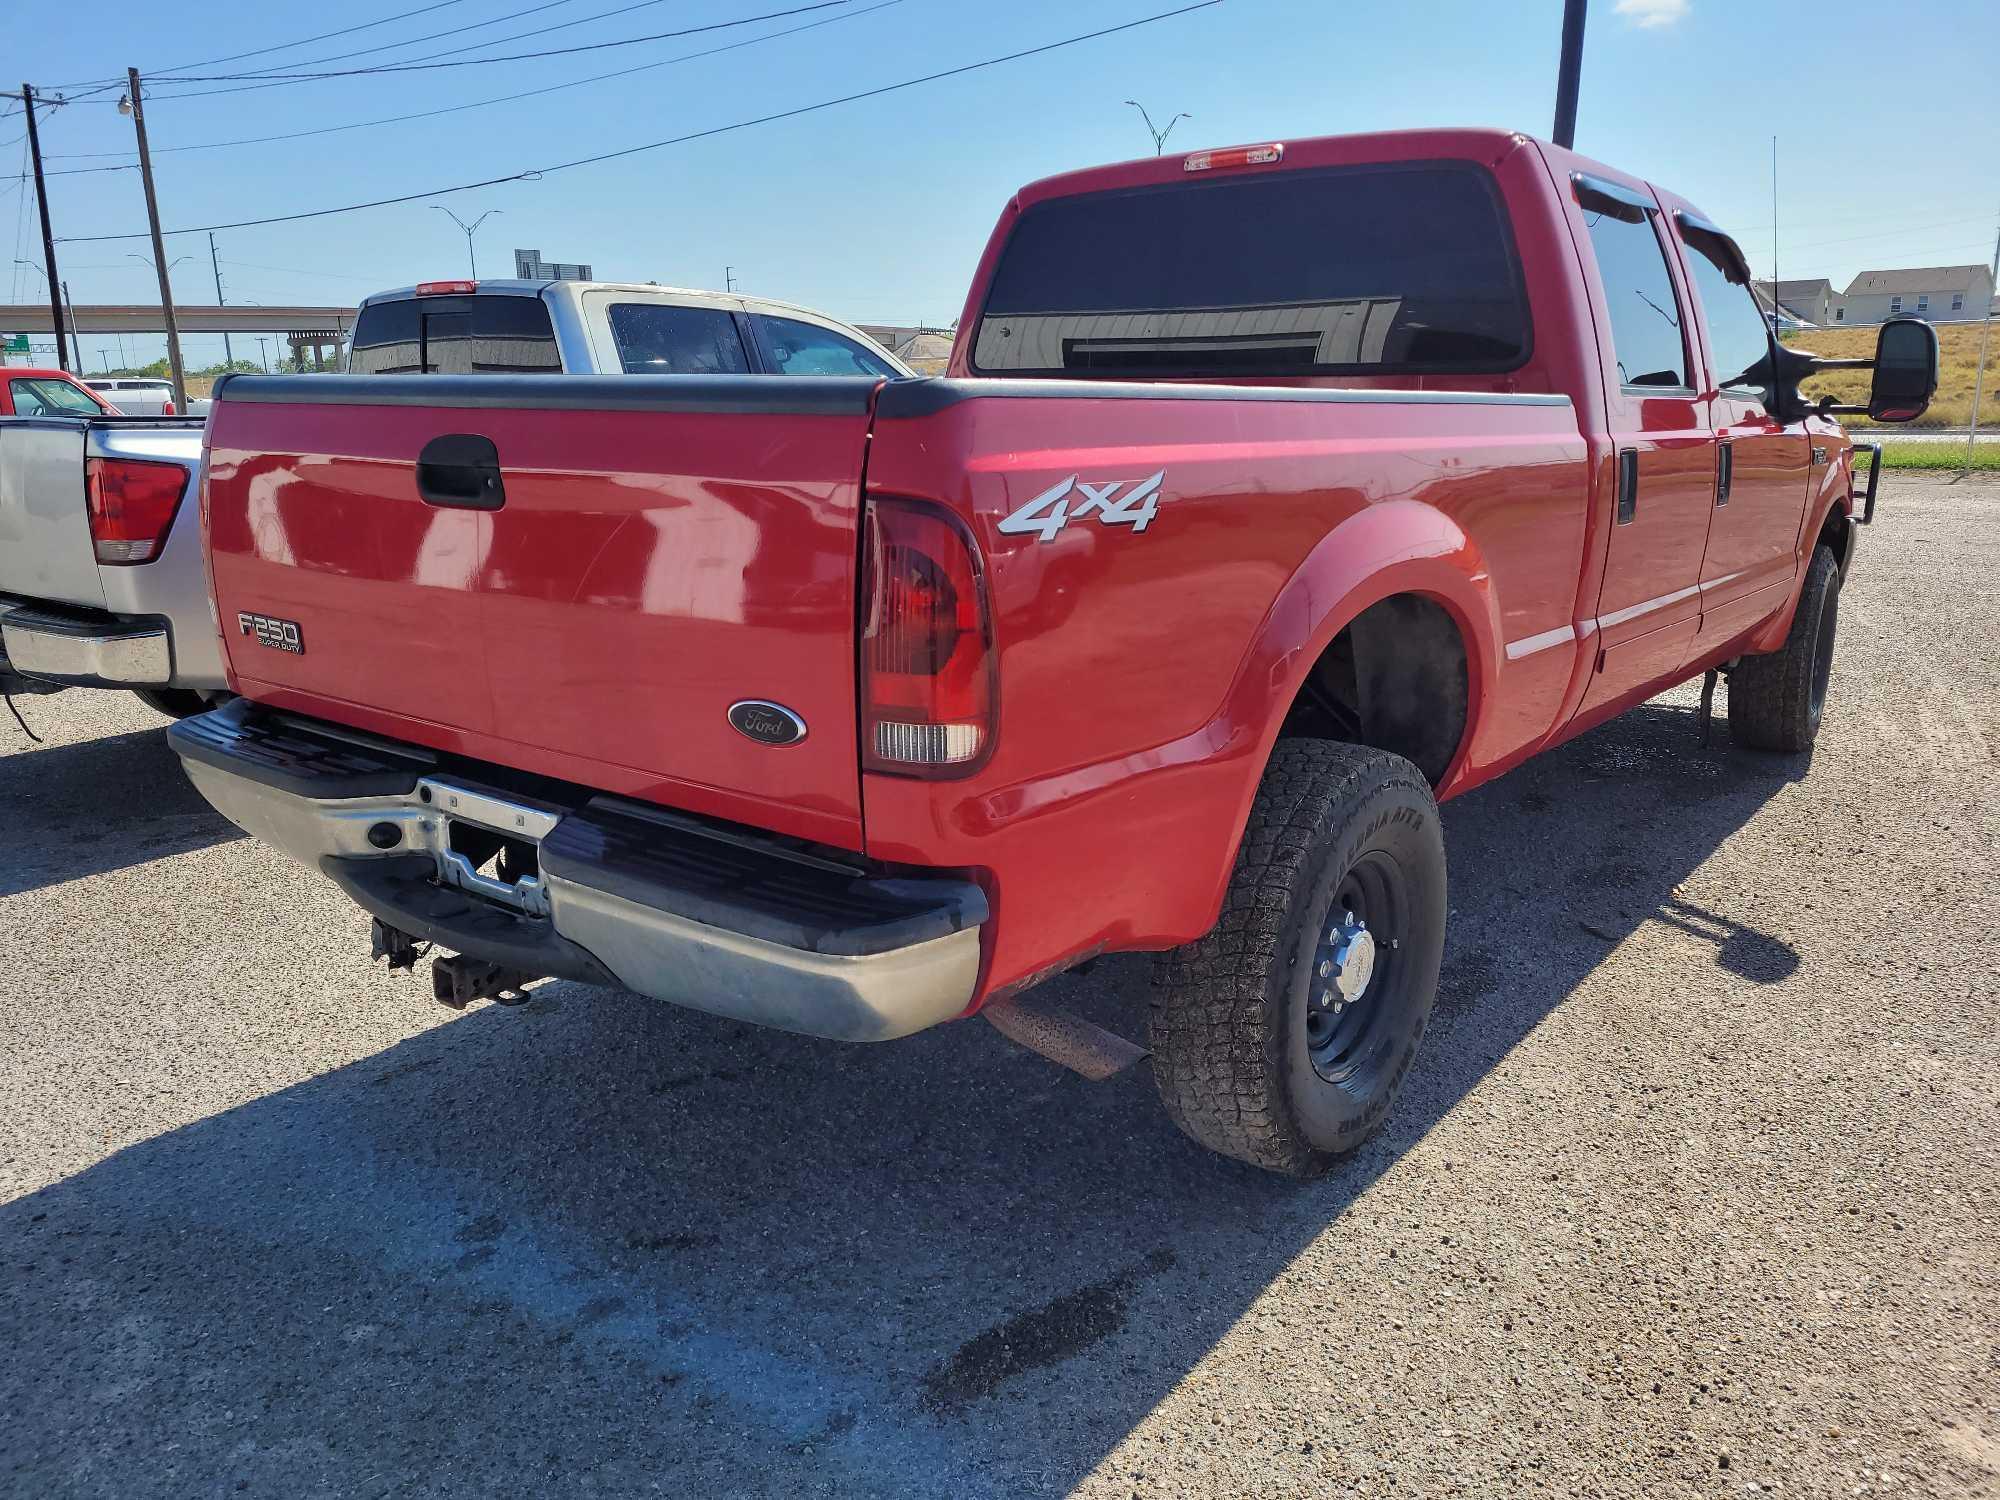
point(1275, 494)
point(26, 391)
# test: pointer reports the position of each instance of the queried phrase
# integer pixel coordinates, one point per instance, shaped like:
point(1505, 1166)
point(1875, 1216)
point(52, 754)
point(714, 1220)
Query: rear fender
point(1396, 547)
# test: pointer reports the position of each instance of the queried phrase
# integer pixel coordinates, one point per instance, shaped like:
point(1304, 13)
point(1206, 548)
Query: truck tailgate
point(45, 545)
point(644, 553)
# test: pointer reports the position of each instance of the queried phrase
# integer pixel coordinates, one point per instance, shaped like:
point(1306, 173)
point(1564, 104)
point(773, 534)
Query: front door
point(1763, 466)
point(1649, 605)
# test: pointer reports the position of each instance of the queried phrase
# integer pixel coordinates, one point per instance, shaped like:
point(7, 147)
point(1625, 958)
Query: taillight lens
point(132, 504)
point(167, 409)
point(927, 660)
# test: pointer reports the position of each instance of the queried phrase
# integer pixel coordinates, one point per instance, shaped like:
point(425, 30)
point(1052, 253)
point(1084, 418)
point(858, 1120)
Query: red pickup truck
point(1275, 494)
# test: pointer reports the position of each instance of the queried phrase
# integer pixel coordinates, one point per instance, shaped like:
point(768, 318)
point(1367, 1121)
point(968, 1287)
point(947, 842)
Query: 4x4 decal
point(1051, 510)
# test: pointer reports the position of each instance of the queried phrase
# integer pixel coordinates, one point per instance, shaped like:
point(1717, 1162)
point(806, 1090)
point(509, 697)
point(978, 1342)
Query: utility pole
point(134, 105)
point(1569, 72)
point(48, 234)
point(228, 354)
point(263, 355)
point(729, 278)
point(1159, 136)
point(1985, 337)
point(75, 337)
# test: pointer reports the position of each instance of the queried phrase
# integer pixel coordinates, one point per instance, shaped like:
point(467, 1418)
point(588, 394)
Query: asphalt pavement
point(1695, 1191)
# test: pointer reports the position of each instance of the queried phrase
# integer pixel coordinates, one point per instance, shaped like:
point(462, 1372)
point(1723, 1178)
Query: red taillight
point(167, 409)
point(132, 504)
point(927, 661)
point(445, 288)
point(1267, 155)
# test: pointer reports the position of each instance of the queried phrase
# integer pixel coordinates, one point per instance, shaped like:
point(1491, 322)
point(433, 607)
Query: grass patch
point(1948, 456)
point(1958, 359)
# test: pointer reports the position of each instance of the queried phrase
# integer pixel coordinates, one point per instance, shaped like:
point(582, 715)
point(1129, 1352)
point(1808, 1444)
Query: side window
point(1738, 340)
point(655, 339)
point(807, 349)
point(51, 398)
point(1646, 336)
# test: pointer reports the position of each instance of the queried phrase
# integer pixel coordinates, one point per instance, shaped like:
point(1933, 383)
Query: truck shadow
point(597, 1235)
point(98, 805)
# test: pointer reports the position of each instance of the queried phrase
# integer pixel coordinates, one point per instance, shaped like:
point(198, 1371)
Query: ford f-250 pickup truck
point(1276, 493)
point(101, 581)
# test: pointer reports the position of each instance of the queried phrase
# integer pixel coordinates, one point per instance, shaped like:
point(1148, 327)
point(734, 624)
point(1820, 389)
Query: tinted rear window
point(454, 336)
point(1359, 270)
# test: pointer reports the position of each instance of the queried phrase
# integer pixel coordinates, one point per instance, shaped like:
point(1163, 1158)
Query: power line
point(258, 140)
point(536, 173)
point(497, 41)
point(473, 62)
point(282, 77)
point(282, 46)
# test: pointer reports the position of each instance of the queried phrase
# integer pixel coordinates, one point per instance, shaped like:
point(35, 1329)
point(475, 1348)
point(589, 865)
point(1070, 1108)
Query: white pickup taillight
point(927, 659)
point(132, 503)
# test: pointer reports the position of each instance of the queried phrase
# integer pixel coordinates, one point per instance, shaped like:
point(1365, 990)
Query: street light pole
point(48, 234)
point(1159, 136)
point(134, 103)
point(471, 258)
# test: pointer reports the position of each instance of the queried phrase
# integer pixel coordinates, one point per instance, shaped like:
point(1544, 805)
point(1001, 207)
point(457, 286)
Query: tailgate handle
point(461, 469)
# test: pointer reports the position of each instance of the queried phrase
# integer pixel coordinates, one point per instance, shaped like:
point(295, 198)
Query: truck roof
point(1482, 143)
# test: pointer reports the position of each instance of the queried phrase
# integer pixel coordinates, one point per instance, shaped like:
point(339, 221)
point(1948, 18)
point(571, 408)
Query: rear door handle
point(1628, 484)
point(1725, 470)
point(461, 470)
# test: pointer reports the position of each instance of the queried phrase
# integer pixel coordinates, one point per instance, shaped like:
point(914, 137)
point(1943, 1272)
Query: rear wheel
point(175, 703)
point(1776, 701)
point(1282, 1037)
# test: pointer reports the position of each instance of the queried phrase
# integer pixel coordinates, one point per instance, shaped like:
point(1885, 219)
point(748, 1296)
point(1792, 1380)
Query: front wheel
point(1282, 1037)
point(1776, 701)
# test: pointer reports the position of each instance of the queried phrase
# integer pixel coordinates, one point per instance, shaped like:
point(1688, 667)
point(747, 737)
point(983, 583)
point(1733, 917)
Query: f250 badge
point(1051, 510)
point(279, 635)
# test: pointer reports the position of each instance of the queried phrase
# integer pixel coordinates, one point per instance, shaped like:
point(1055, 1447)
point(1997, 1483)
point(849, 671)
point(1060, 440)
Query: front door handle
point(1628, 484)
point(1725, 470)
point(461, 470)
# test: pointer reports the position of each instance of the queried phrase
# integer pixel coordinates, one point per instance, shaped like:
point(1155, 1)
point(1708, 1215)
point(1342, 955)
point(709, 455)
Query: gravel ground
point(1694, 1192)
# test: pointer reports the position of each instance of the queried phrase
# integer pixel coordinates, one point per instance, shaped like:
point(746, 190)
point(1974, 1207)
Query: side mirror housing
point(1906, 370)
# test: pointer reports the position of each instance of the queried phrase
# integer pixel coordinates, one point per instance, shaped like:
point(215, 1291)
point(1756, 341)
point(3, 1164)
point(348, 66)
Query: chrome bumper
point(86, 652)
point(587, 915)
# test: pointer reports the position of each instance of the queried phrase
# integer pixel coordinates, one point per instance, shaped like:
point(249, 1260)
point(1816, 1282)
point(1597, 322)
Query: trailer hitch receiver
point(459, 979)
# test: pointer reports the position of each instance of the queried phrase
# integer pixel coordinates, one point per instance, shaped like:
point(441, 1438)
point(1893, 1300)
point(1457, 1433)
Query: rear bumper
point(705, 915)
point(81, 649)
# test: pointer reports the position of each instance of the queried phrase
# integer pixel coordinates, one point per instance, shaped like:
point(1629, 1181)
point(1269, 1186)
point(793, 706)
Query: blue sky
point(877, 211)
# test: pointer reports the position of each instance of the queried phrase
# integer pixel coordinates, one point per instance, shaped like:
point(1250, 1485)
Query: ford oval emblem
point(766, 723)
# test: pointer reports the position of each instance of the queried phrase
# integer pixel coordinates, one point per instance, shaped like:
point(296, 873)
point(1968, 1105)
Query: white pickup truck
point(602, 328)
point(101, 581)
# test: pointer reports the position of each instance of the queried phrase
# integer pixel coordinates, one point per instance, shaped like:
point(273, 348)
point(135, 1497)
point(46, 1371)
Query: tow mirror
point(1906, 370)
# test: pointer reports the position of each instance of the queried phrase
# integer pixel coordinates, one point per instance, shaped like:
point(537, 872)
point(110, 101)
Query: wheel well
point(1836, 533)
point(1395, 678)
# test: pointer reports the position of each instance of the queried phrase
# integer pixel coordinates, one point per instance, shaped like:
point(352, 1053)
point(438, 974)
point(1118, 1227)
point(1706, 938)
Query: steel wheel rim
point(1343, 1033)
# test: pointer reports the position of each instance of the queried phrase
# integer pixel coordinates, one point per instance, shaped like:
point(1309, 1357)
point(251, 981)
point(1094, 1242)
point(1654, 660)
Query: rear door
point(1763, 466)
point(668, 334)
point(1649, 605)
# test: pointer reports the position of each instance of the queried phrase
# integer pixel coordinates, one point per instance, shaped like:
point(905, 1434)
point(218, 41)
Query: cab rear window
point(1376, 270)
point(472, 335)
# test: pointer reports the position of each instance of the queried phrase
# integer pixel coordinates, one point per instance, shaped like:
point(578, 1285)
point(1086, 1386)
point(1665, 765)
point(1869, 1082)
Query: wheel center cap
point(1354, 961)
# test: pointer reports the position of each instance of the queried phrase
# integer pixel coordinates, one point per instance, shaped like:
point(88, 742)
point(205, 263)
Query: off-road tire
point(1230, 1011)
point(175, 703)
point(1776, 701)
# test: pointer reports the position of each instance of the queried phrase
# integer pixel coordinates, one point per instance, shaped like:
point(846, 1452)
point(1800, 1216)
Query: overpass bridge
point(314, 333)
